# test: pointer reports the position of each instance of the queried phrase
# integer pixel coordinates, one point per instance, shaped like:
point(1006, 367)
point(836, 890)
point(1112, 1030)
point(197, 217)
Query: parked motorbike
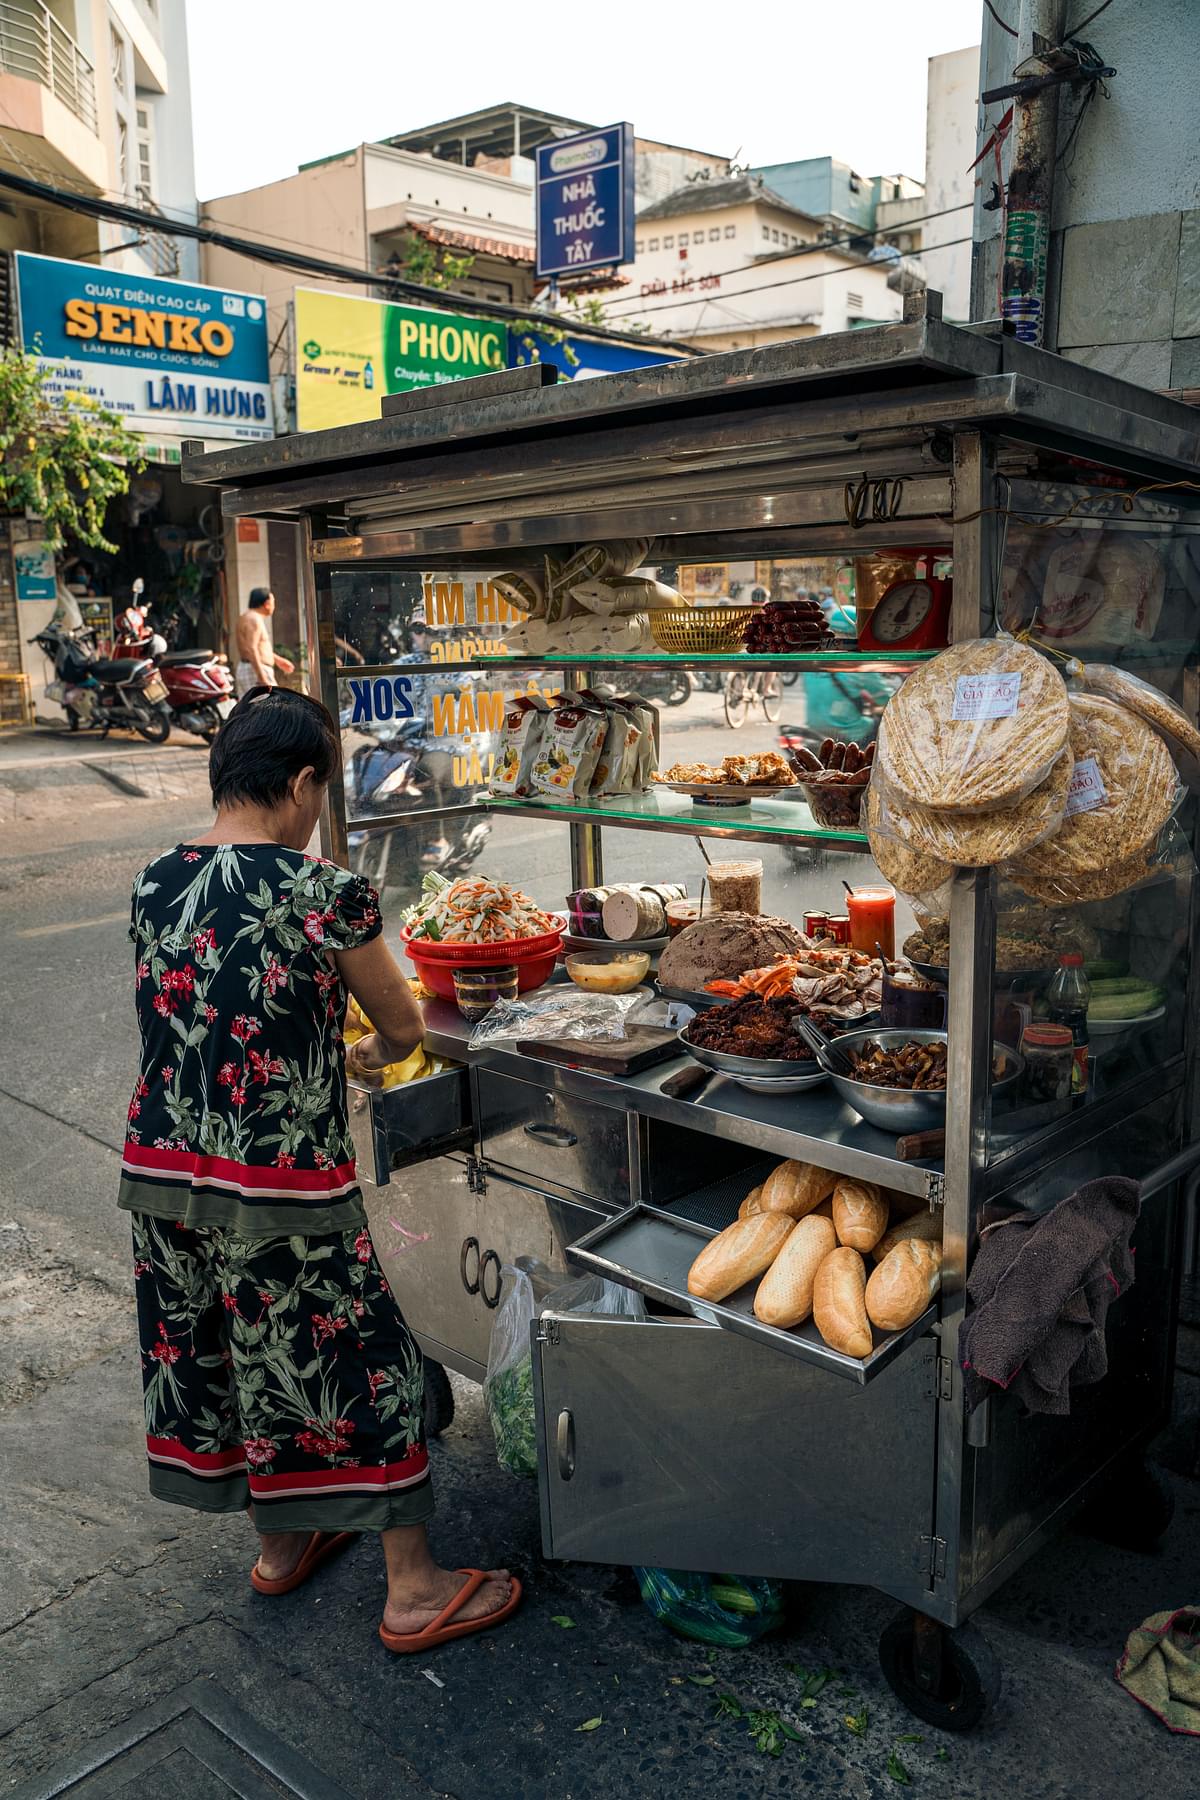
point(669, 686)
point(98, 692)
point(199, 683)
point(384, 776)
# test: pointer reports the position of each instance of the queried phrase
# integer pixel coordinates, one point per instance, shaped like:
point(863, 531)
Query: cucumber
point(1120, 984)
point(733, 1597)
point(1116, 1007)
point(1105, 969)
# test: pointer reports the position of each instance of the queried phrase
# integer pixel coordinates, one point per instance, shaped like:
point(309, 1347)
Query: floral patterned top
point(239, 1116)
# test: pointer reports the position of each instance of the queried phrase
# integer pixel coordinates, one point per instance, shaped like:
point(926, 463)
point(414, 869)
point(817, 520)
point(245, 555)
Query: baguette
point(925, 1227)
point(839, 1302)
point(795, 1188)
point(860, 1213)
point(903, 1284)
point(740, 1253)
point(751, 1204)
point(785, 1293)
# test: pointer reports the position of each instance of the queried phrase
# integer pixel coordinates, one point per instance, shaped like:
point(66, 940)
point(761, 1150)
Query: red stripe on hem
point(405, 1473)
point(212, 1462)
point(191, 1165)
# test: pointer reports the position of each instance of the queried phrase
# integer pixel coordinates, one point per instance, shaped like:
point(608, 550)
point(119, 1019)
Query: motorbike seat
point(105, 668)
point(184, 656)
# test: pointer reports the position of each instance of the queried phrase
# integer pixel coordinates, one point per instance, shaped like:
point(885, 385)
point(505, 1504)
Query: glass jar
point(1049, 1055)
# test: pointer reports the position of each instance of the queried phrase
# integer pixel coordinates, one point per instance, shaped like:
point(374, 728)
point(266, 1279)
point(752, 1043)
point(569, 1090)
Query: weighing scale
point(911, 614)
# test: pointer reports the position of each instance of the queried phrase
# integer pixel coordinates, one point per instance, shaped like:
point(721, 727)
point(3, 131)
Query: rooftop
point(506, 129)
point(705, 196)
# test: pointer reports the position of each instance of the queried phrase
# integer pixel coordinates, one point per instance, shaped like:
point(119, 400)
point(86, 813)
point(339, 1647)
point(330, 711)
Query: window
point(653, 244)
point(117, 52)
point(774, 237)
point(122, 156)
point(853, 302)
point(639, 246)
point(668, 243)
point(145, 149)
point(683, 238)
point(767, 232)
point(731, 231)
point(714, 236)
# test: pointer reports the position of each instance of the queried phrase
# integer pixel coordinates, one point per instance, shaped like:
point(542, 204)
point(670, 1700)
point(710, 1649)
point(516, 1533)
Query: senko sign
point(165, 355)
point(585, 209)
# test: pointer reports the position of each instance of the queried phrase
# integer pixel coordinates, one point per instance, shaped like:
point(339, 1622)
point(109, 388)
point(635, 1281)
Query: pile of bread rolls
point(804, 1236)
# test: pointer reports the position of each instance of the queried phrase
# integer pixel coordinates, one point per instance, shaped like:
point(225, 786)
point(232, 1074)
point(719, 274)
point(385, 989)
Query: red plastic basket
point(435, 963)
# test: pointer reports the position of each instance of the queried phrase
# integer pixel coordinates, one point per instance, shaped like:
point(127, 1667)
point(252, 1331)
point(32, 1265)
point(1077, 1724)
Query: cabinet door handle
point(469, 1244)
point(564, 1444)
point(557, 1136)
point(489, 1259)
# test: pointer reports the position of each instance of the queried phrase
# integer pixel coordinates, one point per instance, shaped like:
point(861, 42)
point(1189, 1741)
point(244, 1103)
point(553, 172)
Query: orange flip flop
point(319, 1548)
point(442, 1630)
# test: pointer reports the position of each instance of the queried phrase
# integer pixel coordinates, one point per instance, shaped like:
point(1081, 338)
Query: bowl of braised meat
point(755, 1039)
point(900, 1076)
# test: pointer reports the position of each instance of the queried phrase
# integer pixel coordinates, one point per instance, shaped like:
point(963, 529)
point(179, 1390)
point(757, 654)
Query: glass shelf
point(765, 821)
point(881, 663)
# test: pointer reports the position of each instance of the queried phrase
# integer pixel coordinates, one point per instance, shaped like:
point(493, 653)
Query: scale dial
point(902, 611)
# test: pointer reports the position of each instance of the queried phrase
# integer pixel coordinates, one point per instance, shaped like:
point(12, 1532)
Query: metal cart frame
point(755, 454)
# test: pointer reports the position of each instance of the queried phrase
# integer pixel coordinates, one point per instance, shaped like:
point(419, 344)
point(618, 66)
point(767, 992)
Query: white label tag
point(1087, 790)
point(986, 696)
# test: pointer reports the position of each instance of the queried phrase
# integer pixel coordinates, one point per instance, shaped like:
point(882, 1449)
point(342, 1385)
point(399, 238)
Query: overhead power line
point(46, 194)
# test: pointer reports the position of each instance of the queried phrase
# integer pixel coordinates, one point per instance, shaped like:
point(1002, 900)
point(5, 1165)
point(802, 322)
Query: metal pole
point(1030, 195)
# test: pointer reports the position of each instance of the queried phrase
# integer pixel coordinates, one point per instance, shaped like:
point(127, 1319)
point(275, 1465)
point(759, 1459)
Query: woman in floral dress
point(279, 1374)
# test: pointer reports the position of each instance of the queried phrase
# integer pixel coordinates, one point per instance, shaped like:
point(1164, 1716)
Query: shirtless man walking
point(257, 660)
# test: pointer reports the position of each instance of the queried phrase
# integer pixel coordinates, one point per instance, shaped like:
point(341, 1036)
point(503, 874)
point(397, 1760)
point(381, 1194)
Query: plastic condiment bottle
point(872, 919)
point(1067, 1003)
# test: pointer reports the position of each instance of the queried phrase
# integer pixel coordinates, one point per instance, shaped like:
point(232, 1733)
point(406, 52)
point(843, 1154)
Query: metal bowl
point(902, 1110)
point(771, 1066)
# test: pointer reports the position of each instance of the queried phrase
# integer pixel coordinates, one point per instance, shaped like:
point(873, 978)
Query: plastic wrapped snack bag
point(980, 726)
point(1058, 886)
point(569, 750)
point(923, 880)
point(605, 561)
point(525, 721)
point(628, 594)
point(1163, 715)
point(977, 840)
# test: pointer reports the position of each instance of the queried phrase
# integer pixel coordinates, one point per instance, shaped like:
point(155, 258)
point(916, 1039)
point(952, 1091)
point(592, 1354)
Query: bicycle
point(741, 690)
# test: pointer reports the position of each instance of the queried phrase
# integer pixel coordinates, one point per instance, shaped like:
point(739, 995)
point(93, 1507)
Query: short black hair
point(260, 596)
point(271, 734)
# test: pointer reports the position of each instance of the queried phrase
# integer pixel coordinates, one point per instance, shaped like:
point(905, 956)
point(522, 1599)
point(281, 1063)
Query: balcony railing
point(33, 44)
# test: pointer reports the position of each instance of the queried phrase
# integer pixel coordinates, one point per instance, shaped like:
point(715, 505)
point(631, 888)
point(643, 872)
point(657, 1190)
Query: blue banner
point(585, 205)
point(592, 356)
point(163, 354)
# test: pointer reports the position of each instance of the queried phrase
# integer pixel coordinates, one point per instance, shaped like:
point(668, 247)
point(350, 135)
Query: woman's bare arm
point(377, 982)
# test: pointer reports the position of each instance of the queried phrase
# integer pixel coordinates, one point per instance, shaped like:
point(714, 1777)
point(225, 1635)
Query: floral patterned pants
point(279, 1371)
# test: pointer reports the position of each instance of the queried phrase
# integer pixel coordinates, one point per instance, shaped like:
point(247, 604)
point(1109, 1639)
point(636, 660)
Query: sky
point(279, 82)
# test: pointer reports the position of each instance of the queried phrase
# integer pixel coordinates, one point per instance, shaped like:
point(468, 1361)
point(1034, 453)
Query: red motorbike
point(198, 682)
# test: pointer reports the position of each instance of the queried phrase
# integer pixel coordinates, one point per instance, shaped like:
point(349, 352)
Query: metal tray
point(693, 997)
point(652, 1248)
point(740, 793)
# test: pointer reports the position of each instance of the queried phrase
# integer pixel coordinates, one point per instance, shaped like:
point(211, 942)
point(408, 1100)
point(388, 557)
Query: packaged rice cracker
point(525, 720)
point(648, 746)
point(570, 749)
point(617, 771)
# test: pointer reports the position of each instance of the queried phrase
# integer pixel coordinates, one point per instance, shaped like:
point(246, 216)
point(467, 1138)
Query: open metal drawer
point(675, 1444)
point(395, 1127)
point(652, 1248)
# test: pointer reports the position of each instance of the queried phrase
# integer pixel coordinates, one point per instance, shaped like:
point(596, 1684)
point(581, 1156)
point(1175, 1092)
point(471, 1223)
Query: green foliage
point(432, 265)
point(63, 461)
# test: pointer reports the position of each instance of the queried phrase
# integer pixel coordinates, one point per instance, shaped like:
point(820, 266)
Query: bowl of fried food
point(900, 1076)
point(835, 778)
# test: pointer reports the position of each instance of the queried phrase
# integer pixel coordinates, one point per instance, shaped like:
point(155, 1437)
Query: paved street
point(111, 1605)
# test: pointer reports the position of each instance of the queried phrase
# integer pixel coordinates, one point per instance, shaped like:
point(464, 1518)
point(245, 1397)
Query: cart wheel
point(948, 1678)
point(439, 1399)
point(1132, 1510)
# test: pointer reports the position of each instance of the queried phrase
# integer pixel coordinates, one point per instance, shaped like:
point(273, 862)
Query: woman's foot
point(412, 1607)
point(280, 1552)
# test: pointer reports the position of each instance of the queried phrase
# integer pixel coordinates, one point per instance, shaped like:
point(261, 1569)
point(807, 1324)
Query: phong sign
point(166, 355)
point(350, 352)
point(585, 207)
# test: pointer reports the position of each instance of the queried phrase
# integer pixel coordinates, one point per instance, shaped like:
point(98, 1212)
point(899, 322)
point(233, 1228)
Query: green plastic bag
point(729, 1610)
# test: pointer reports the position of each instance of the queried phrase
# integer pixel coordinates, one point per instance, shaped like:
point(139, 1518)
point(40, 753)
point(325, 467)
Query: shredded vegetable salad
point(474, 910)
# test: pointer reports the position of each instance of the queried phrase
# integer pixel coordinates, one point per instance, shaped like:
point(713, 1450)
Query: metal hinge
point(547, 1331)
point(476, 1176)
point(931, 1558)
point(944, 1373)
point(935, 1188)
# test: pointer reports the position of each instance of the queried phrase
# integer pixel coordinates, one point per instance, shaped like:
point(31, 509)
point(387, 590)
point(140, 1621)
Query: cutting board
point(644, 1046)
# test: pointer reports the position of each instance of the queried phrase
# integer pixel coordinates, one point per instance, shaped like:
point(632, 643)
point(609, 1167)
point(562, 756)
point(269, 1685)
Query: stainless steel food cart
point(690, 1439)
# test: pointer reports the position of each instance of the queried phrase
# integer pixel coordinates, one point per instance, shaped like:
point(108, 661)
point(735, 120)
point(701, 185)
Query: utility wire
point(791, 281)
point(817, 244)
point(1083, 23)
point(1002, 23)
point(139, 219)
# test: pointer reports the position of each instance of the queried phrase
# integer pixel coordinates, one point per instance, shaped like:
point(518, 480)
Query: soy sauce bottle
point(1068, 1005)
